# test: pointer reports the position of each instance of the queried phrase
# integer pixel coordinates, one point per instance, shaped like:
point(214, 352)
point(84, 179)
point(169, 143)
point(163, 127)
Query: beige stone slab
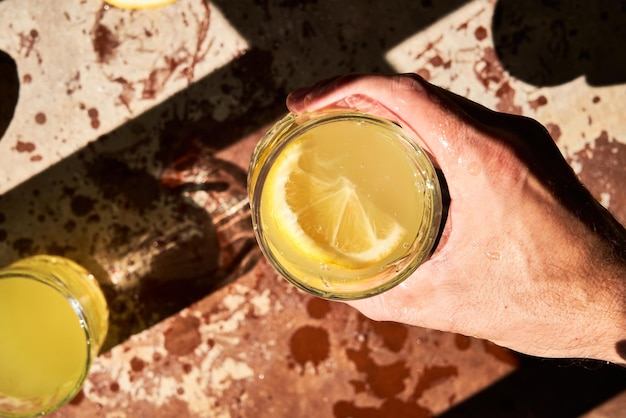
point(85, 68)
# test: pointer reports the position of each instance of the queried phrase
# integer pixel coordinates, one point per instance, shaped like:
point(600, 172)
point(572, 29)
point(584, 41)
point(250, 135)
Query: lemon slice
point(139, 4)
point(326, 215)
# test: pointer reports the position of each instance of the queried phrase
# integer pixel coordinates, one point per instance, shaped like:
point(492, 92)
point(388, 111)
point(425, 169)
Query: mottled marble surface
point(125, 142)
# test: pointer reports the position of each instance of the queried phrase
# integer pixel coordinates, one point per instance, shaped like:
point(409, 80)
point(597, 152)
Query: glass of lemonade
point(53, 321)
point(345, 205)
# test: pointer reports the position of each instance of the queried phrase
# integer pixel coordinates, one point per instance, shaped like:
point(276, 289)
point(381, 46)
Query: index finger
point(406, 99)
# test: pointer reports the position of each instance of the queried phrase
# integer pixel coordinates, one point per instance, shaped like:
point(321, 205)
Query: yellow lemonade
point(53, 321)
point(344, 205)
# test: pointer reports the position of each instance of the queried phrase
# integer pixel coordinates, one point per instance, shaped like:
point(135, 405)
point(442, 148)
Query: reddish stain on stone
point(383, 381)
point(36, 158)
point(390, 408)
point(596, 99)
point(602, 170)
point(424, 73)
point(158, 77)
point(27, 42)
point(318, 308)
point(182, 337)
point(436, 61)
point(21, 146)
point(40, 118)
point(310, 344)
point(82, 205)
point(538, 102)
point(432, 376)
point(394, 335)
point(480, 33)
point(506, 94)
point(104, 43)
point(462, 342)
point(128, 91)
point(114, 387)
point(501, 353)
point(27, 79)
point(93, 115)
point(488, 69)
point(137, 364)
point(187, 368)
point(23, 245)
point(554, 130)
point(78, 399)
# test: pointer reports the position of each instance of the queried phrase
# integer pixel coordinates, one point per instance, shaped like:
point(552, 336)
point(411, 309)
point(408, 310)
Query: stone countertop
point(125, 142)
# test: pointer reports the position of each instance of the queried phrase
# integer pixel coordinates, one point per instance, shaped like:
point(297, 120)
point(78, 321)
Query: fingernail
point(299, 94)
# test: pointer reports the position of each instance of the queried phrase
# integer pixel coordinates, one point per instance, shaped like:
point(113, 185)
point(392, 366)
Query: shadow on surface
point(545, 389)
point(9, 90)
point(551, 42)
point(152, 208)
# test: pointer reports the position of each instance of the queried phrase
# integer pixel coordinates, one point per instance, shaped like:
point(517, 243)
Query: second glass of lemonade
point(53, 322)
point(345, 205)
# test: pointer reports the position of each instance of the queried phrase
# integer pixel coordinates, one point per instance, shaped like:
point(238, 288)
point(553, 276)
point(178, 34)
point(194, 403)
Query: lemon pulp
point(341, 202)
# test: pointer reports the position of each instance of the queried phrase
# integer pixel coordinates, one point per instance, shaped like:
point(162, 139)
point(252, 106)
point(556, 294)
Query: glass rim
point(291, 127)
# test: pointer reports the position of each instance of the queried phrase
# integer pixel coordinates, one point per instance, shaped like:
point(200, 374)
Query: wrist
point(609, 332)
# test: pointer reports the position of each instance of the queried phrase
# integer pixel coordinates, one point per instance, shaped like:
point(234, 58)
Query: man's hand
point(527, 258)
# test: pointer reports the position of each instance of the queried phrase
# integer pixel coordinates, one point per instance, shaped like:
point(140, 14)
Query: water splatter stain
point(501, 353)
point(538, 102)
point(602, 168)
point(104, 43)
point(137, 364)
point(433, 376)
point(383, 381)
point(21, 146)
point(182, 337)
point(462, 342)
point(79, 398)
point(27, 43)
point(318, 308)
point(93, 116)
point(82, 205)
point(554, 130)
point(309, 344)
point(506, 94)
point(390, 408)
point(40, 118)
point(480, 33)
point(394, 335)
point(23, 246)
